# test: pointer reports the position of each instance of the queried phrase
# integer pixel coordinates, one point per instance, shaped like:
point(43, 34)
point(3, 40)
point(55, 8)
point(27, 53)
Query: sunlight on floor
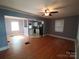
point(17, 42)
point(18, 37)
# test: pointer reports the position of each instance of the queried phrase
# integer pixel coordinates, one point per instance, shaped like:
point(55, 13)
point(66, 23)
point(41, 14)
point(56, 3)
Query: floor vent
point(27, 43)
point(8, 41)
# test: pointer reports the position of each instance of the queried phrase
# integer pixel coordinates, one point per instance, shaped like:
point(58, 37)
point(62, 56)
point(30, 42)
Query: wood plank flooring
point(38, 48)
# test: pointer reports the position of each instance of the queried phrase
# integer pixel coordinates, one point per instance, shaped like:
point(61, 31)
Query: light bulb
point(46, 14)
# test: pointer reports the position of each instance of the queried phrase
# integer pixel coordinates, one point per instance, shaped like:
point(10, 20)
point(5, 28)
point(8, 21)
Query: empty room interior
point(39, 29)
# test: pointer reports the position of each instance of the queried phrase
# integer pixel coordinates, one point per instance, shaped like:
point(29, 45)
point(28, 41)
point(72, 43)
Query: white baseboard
point(4, 48)
point(62, 37)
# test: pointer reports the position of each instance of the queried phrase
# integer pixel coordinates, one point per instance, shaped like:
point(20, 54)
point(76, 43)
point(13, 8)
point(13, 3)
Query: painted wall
point(70, 27)
point(3, 41)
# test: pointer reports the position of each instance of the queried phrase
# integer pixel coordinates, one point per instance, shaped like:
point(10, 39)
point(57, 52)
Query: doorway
point(35, 28)
point(16, 27)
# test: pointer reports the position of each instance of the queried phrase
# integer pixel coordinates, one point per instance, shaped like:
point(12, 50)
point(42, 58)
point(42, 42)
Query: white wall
point(26, 28)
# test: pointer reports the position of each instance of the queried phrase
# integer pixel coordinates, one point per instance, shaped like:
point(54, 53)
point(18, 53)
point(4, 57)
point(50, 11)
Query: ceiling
point(64, 7)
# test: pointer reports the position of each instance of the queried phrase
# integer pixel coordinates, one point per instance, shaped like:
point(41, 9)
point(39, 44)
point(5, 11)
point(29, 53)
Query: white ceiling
point(65, 7)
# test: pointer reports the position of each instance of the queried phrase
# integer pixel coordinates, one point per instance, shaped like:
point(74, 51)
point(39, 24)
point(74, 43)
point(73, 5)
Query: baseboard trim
point(4, 48)
point(61, 37)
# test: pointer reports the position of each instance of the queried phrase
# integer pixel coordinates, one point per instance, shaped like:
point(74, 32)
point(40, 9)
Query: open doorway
point(36, 28)
point(16, 27)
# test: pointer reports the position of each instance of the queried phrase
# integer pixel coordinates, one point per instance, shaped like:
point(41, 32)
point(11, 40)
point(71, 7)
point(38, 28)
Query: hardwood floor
point(38, 48)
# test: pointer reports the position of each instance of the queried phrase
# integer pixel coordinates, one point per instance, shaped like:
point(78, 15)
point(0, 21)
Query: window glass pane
point(59, 25)
point(14, 26)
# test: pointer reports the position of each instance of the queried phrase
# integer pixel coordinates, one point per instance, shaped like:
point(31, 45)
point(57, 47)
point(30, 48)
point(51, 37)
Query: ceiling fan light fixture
point(47, 14)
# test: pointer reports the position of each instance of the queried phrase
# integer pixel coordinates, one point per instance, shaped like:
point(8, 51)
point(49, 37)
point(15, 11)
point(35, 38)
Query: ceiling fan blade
point(54, 12)
point(50, 14)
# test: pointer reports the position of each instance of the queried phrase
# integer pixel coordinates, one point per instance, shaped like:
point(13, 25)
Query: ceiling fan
point(47, 12)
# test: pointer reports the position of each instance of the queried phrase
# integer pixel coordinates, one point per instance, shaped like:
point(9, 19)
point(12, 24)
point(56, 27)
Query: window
point(14, 26)
point(59, 25)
